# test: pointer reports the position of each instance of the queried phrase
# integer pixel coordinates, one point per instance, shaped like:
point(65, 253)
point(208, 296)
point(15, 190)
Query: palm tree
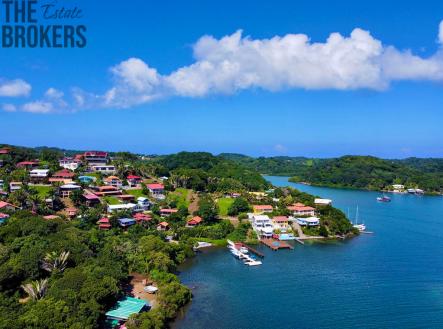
point(37, 289)
point(53, 262)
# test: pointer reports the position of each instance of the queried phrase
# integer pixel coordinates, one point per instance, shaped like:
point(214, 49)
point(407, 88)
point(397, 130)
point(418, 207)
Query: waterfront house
point(308, 221)
point(64, 174)
point(133, 180)
point(262, 225)
point(143, 203)
point(194, 221)
point(39, 175)
point(113, 181)
point(15, 186)
point(323, 202)
point(104, 169)
point(156, 189)
point(126, 222)
point(262, 208)
point(5, 206)
point(66, 190)
point(69, 163)
point(163, 226)
point(165, 212)
point(104, 224)
point(398, 187)
point(280, 223)
point(299, 209)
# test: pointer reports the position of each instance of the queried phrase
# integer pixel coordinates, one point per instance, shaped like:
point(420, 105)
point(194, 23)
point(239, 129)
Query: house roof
point(280, 219)
point(300, 208)
point(91, 196)
point(51, 217)
point(70, 186)
point(103, 220)
point(195, 220)
point(64, 173)
point(96, 153)
point(108, 188)
point(27, 163)
point(166, 210)
point(126, 307)
point(110, 178)
point(4, 204)
point(263, 207)
point(164, 224)
point(155, 186)
point(133, 177)
point(3, 216)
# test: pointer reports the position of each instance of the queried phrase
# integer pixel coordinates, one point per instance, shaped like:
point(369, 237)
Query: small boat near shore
point(242, 254)
point(360, 227)
point(384, 198)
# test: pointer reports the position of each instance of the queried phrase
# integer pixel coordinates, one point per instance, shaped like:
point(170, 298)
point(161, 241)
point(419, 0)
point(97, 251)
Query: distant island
point(359, 172)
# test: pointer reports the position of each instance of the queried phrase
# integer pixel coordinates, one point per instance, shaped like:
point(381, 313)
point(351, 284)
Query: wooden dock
point(254, 251)
point(276, 244)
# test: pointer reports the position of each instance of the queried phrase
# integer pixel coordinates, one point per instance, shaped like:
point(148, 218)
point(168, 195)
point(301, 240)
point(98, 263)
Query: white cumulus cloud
point(14, 88)
point(238, 62)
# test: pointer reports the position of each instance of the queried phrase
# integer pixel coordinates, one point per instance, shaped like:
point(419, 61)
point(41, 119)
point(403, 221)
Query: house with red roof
point(113, 181)
point(106, 190)
point(72, 212)
point(3, 218)
point(133, 180)
point(5, 150)
point(280, 222)
point(156, 188)
point(141, 217)
point(104, 223)
point(28, 164)
point(262, 208)
point(47, 217)
point(6, 206)
point(194, 221)
point(95, 158)
point(165, 212)
point(64, 174)
point(299, 209)
point(90, 199)
point(163, 226)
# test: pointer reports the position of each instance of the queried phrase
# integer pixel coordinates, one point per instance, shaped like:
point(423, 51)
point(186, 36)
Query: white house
point(309, 221)
point(398, 186)
point(69, 163)
point(323, 202)
point(262, 224)
point(39, 173)
point(143, 203)
point(123, 206)
point(104, 169)
point(15, 186)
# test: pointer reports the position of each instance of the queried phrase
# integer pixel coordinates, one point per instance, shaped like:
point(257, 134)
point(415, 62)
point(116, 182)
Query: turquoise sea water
point(391, 279)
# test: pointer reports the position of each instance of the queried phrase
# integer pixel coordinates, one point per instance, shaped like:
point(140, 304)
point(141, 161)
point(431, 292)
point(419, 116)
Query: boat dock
point(276, 244)
point(254, 251)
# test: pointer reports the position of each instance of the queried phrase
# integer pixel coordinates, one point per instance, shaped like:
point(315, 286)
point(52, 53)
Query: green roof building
point(126, 307)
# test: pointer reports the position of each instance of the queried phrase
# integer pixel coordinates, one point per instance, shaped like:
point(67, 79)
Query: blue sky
point(396, 113)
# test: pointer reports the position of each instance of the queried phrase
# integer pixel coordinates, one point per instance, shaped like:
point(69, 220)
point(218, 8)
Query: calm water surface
point(391, 279)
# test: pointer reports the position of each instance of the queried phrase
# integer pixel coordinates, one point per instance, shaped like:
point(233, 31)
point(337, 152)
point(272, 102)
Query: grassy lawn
point(224, 204)
point(137, 193)
point(42, 190)
point(180, 196)
point(111, 199)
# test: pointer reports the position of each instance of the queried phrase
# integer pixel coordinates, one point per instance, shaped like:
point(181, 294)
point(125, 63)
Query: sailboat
point(361, 227)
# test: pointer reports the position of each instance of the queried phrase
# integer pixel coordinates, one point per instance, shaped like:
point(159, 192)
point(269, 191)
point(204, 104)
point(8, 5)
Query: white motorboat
point(244, 250)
